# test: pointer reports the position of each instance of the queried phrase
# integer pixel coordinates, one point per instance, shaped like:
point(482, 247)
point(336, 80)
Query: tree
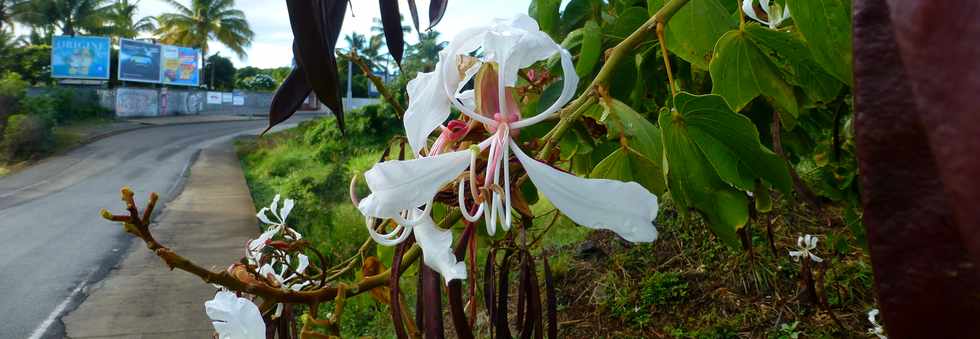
point(9, 10)
point(70, 16)
point(260, 82)
point(425, 54)
point(355, 42)
point(206, 20)
point(119, 21)
point(219, 73)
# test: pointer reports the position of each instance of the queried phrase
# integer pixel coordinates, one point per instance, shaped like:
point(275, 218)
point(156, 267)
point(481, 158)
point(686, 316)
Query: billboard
point(80, 57)
point(139, 61)
point(179, 66)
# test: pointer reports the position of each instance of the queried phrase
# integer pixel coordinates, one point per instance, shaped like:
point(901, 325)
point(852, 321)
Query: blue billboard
point(179, 66)
point(139, 61)
point(80, 57)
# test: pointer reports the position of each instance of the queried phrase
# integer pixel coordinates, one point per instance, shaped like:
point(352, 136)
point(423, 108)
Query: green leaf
point(545, 12)
point(628, 21)
point(577, 11)
point(694, 184)
point(730, 142)
point(644, 136)
point(740, 72)
point(625, 164)
point(653, 6)
point(826, 26)
point(795, 61)
point(591, 48)
point(693, 31)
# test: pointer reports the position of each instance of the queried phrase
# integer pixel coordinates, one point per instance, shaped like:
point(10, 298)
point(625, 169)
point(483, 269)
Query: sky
point(273, 36)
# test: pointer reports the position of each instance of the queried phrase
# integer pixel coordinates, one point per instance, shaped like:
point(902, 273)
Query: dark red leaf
point(916, 77)
point(436, 10)
point(488, 293)
point(316, 27)
point(503, 328)
point(522, 281)
point(419, 301)
point(457, 312)
point(395, 288)
point(391, 20)
point(415, 15)
point(432, 296)
point(549, 285)
point(289, 97)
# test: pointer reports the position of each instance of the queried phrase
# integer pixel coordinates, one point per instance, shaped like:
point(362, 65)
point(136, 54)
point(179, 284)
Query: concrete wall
point(151, 102)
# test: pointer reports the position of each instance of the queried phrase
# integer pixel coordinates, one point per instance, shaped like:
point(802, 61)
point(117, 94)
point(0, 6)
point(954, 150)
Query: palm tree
point(355, 42)
point(206, 20)
point(119, 20)
point(426, 52)
point(71, 16)
point(9, 10)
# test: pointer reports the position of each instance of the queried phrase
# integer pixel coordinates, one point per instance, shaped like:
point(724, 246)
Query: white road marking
point(46, 324)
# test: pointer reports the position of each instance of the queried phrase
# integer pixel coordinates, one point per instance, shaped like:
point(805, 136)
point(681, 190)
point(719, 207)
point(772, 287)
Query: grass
point(65, 137)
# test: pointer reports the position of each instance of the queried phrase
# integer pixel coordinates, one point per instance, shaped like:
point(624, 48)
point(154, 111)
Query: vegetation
point(206, 20)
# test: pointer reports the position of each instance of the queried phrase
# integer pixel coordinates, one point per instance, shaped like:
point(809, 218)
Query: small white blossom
point(234, 317)
point(876, 328)
point(776, 13)
point(806, 245)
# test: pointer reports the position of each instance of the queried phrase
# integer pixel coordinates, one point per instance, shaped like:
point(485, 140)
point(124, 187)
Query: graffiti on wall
point(136, 102)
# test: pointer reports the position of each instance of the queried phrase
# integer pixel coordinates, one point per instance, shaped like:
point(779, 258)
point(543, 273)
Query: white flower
point(876, 328)
point(806, 244)
point(234, 317)
point(400, 188)
point(277, 224)
point(774, 12)
point(279, 215)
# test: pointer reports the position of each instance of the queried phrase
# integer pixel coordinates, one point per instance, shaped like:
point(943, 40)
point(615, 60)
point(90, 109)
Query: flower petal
point(428, 107)
point(437, 250)
point(304, 262)
point(398, 186)
point(234, 317)
point(264, 218)
point(286, 208)
point(749, 10)
point(622, 207)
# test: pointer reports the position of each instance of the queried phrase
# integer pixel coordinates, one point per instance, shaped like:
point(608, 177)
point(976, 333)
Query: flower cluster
point(268, 257)
point(491, 58)
point(876, 328)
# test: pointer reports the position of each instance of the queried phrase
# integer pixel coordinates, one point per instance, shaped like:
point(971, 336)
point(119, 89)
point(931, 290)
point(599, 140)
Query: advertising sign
point(214, 98)
point(139, 61)
point(226, 96)
point(80, 57)
point(239, 99)
point(179, 66)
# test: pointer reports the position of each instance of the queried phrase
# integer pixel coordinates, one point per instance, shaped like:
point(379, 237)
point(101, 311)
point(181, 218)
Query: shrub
point(44, 107)
point(12, 89)
point(25, 136)
point(72, 104)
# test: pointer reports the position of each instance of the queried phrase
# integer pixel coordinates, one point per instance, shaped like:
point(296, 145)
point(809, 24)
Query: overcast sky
point(273, 37)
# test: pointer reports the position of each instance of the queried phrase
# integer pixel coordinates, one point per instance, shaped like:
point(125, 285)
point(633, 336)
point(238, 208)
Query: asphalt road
point(53, 244)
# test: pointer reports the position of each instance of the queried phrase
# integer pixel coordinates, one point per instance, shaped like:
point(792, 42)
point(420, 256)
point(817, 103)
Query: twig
point(377, 83)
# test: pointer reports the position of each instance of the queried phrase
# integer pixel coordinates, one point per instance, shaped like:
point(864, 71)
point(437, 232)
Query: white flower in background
point(775, 12)
point(400, 188)
point(277, 225)
point(876, 328)
point(234, 317)
point(805, 245)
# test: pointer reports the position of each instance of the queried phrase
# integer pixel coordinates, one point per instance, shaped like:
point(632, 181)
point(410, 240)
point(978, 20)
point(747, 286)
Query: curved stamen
point(506, 164)
point(570, 83)
point(462, 204)
point(412, 222)
point(386, 239)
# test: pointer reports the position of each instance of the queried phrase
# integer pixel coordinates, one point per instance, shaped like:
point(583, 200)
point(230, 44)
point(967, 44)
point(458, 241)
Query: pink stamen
point(452, 132)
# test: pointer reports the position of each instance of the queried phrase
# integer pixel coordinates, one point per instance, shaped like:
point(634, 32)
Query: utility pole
point(350, 79)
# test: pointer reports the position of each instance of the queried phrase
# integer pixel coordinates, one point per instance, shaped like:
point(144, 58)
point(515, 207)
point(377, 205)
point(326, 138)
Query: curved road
point(53, 241)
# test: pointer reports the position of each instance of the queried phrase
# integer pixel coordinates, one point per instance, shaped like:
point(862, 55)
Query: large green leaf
point(644, 136)
point(577, 11)
point(546, 13)
point(740, 72)
point(792, 57)
point(626, 164)
point(826, 26)
point(628, 21)
point(591, 48)
point(693, 31)
point(730, 142)
point(694, 183)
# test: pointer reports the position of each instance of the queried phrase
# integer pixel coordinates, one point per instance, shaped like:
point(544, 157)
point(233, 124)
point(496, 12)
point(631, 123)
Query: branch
point(240, 280)
point(377, 83)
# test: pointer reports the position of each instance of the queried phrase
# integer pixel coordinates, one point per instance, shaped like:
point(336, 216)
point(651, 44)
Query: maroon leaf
point(532, 315)
point(522, 281)
point(415, 15)
point(916, 78)
point(437, 8)
point(549, 286)
point(289, 97)
point(395, 275)
point(316, 26)
point(419, 301)
point(456, 290)
point(391, 20)
point(503, 328)
point(488, 291)
point(432, 296)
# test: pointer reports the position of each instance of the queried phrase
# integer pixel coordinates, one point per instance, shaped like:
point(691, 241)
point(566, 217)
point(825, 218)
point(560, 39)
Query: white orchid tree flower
point(806, 245)
point(234, 317)
point(277, 226)
point(400, 189)
point(876, 328)
point(774, 11)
